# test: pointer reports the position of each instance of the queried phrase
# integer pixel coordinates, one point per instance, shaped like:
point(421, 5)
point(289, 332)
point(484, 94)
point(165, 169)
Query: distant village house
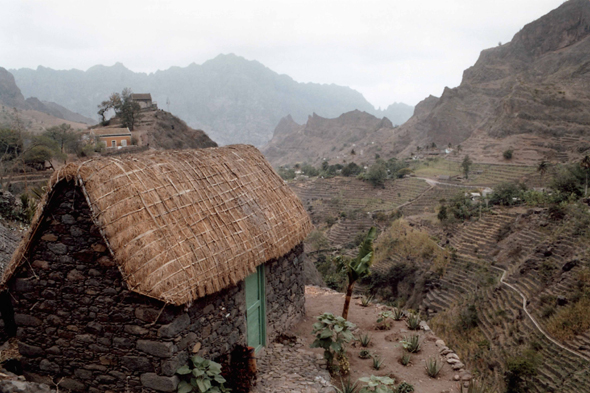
point(113, 138)
point(144, 100)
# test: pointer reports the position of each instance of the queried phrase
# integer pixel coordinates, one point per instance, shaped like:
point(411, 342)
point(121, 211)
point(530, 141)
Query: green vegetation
point(405, 359)
point(404, 387)
point(377, 362)
point(365, 340)
point(519, 371)
point(358, 267)
point(508, 154)
point(125, 108)
point(377, 384)
point(332, 334)
point(347, 386)
point(433, 367)
point(413, 322)
point(364, 354)
point(204, 376)
point(466, 165)
point(411, 343)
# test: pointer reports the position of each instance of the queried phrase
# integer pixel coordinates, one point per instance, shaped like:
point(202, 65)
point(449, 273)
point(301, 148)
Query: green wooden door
point(255, 313)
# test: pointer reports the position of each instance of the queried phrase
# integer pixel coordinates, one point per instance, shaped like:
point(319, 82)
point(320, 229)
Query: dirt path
point(537, 325)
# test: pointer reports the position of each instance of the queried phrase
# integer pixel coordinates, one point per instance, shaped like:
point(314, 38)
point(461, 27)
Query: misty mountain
point(233, 99)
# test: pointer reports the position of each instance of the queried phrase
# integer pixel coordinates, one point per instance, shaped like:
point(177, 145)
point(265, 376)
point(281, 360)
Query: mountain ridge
point(233, 99)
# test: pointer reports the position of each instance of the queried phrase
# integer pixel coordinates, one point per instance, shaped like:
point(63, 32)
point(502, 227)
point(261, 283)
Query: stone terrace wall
point(77, 319)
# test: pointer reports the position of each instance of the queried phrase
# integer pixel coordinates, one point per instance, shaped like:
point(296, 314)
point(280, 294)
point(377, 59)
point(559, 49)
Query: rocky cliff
point(353, 136)
point(536, 85)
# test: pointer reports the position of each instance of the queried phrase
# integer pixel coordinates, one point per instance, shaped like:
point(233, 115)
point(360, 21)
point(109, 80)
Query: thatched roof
point(184, 224)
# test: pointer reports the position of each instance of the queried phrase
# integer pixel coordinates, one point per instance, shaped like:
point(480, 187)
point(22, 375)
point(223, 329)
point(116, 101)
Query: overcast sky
point(389, 50)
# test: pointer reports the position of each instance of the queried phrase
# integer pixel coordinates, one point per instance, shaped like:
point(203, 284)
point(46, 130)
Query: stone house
point(143, 99)
point(132, 264)
point(113, 138)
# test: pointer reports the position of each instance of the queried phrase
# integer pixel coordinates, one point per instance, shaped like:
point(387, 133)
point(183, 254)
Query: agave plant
point(347, 386)
point(405, 359)
point(377, 362)
point(365, 340)
point(397, 314)
point(366, 300)
point(433, 367)
point(411, 343)
point(413, 322)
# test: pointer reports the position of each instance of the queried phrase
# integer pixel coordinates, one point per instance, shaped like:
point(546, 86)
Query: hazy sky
point(389, 50)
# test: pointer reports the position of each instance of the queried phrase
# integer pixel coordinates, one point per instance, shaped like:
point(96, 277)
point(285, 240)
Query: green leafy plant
point(411, 344)
point(413, 322)
point(377, 362)
point(433, 367)
point(476, 387)
point(366, 300)
point(382, 320)
point(204, 376)
point(405, 359)
point(347, 386)
point(364, 354)
point(397, 314)
point(404, 387)
point(332, 333)
point(365, 340)
point(358, 267)
point(377, 384)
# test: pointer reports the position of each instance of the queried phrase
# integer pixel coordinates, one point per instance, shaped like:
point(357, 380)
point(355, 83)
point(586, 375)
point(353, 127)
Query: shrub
point(433, 367)
point(404, 387)
point(411, 343)
point(351, 170)
point(205, 375)
point(377, 384)
point(508, 154)
point(519, 371)
point(507, 194)
point(570, 320)
point(364, 354)
point(332, 333)
point(377, 174)
point(468, 318)
point(286, 173)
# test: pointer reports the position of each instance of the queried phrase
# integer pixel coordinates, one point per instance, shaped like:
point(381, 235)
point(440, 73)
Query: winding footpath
point(537, 325)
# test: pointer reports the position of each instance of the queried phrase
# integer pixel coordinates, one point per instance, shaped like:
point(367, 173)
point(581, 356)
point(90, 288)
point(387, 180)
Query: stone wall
point(78, 322)
point(285, 292)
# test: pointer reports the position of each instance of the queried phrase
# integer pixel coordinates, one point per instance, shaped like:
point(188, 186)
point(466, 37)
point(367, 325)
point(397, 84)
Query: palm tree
point(358, 267)
point(542, 169)
point(585, 164)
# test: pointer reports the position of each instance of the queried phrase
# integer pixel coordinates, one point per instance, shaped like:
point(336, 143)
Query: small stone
point(159, 383)
point(136, 363)
point(156, 348)
point(43, 265)
point(136, 330)
point(440, 343)
point(196, 348)
point(456, 377)
point(457, 366)
point(48, 366)
point(26, 320)
point(57, 248)
point(29, 351)
point(49, 237)
point(75, 275)
point(172, 329)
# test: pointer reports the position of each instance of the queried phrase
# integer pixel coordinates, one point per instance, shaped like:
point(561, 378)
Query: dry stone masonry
point(80, 323)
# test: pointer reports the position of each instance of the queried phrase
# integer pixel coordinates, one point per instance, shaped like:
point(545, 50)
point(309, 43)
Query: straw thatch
point(8, 242)
point(184, 224)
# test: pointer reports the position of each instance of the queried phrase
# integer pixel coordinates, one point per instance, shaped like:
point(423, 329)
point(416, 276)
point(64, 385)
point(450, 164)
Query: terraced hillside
point(480, 174)
point(346, 197)
point(543, 261)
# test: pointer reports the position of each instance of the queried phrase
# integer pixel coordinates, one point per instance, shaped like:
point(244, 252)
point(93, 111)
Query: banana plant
point(358, 267)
